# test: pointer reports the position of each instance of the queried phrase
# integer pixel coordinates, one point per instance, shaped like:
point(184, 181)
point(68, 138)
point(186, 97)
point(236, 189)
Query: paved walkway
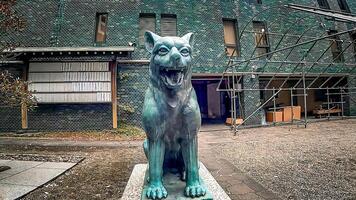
point(236, 183)
point(25, 176)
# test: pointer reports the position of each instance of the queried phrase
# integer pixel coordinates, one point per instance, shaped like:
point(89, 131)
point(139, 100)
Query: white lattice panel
point(70, 82)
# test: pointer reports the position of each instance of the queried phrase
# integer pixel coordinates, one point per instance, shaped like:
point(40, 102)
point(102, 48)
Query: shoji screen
point(70, 82)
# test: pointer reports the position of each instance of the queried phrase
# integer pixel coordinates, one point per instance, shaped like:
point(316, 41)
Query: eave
point(69, 50)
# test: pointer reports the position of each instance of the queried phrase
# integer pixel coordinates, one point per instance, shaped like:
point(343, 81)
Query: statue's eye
point(163, 51)
point(184, 52)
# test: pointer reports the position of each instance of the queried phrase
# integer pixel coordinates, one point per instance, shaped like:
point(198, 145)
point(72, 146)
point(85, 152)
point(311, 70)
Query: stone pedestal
point(174, 186)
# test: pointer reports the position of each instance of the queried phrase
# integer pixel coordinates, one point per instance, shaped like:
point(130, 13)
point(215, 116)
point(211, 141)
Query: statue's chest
point(174, 122)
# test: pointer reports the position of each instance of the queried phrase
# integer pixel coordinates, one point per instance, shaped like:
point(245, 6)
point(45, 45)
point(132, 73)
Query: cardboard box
point(287, 113)
point(278, 116)
point(229, 121)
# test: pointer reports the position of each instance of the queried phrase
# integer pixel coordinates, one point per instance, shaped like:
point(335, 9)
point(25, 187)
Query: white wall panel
point(68, 76)
point(73, 97)
point(71, 87)
point(69, 66)
point(71, 82)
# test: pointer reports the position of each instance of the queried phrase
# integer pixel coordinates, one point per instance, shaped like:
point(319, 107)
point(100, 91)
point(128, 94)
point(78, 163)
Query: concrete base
point(136, 182)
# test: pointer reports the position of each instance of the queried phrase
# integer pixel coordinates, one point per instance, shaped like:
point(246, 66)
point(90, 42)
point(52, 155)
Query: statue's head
point(170, 59)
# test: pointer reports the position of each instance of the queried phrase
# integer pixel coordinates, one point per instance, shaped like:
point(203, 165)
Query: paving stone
point(254, 185)
point(267, 195)
point(213, 166)
point(20, 166)
point(4, 175)
point(33, 176)
point(240, 176)
point(234, 197)
point(240, 189)
point(3, 162)
point(235, 181)
point(250, 196)
point(225, 169)
point(56, 165)
point(10, 192)
point(26, 176)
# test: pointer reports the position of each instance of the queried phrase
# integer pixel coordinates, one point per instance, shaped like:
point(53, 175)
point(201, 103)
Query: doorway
point(214, 106)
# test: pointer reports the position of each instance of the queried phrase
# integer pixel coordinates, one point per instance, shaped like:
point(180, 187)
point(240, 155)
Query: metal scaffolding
point(301, 76)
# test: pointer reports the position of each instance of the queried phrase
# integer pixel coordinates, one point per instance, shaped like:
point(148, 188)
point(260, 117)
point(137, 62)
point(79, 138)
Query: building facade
point(88, 67)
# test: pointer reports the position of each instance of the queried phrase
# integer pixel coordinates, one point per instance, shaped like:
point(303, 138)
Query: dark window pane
point(323, 4)
point(343, 6)
point(147, 23)
point(336, 47)
point(101, 27)
point(261, 37)
point(168, 25)
point(230, 37)
point(353, 39)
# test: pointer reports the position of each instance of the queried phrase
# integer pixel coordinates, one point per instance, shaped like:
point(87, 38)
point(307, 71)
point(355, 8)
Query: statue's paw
point(195, 190)
point(156, 192)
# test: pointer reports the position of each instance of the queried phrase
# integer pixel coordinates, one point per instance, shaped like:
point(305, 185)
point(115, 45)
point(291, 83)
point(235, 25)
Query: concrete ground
point(286, 162)
point(25, 176)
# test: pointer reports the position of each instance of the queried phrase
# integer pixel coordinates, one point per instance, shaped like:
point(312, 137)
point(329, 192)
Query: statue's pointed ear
point(150, 40)
point(189, 38)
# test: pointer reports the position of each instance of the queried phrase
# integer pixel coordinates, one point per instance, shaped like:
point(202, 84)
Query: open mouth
point(172, 78)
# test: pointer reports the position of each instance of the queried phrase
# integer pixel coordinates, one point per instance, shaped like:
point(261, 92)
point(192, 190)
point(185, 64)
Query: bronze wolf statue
point(171, 116)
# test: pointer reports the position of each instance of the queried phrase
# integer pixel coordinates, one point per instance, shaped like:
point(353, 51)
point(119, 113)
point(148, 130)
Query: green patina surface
point(72, 23)
point(171, 116)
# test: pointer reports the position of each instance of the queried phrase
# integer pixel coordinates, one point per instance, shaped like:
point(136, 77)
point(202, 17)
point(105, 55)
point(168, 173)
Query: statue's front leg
point(154, 147)
point(156, 151)
point(192, 122)
point(193, 188)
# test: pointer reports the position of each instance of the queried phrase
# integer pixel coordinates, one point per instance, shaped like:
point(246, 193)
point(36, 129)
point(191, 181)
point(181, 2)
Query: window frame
point(326, 6)
point(173, 16)
point(339, 54)
point(343, 5)
point(236, 32)
point(353, 40)
point(98, 27)
point(145, 16)
point(258, 44)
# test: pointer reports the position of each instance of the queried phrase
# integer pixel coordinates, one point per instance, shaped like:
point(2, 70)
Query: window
point(147, 23)
point(343, 6)
point(323, 4)
point(230, 37)
point(101, 27)
point(336, 47)
point(353, 39)
point(261, 37)
point(168, 25)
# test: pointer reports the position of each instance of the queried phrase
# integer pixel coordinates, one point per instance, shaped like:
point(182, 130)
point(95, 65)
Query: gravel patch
point(42, 158)
point(318, 162)
point(103, 173)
